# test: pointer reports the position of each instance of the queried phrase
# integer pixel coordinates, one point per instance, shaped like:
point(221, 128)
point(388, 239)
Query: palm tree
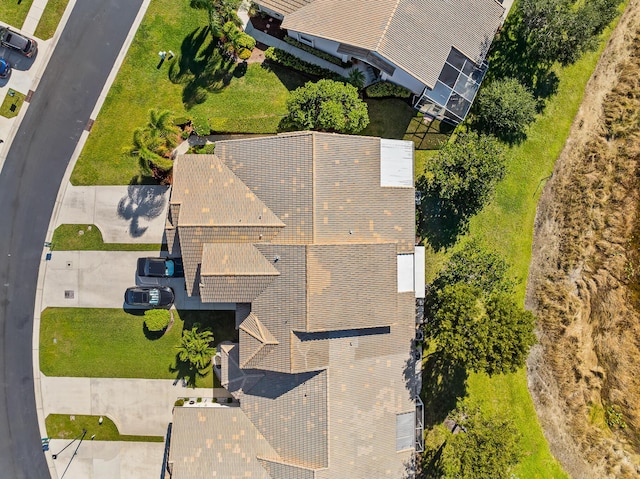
point(357, 78)
point(161, 124)
point(195, 348)
point(220, 12)
point(152, 144)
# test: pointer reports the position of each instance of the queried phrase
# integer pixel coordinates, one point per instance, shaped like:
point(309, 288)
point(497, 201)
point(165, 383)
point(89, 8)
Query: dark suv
point(22, 44)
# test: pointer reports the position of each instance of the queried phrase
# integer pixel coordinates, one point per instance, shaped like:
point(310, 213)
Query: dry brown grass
point(585, 275)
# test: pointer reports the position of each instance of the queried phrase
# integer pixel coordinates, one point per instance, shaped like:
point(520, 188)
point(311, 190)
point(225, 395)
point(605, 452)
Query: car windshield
point(170, 267)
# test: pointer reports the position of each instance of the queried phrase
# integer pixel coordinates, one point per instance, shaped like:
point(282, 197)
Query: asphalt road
point(29, 183)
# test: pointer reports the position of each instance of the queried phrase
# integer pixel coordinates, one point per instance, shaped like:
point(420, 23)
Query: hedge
point(387, 89)
point(316, 52)
point(291, 61)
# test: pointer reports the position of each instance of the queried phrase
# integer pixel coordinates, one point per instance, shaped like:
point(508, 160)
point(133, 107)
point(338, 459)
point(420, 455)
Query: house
point(435, 48)
point(311, 235)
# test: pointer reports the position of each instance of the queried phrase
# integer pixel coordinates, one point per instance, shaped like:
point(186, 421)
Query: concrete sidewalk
point(26, 72)
point(124, 214)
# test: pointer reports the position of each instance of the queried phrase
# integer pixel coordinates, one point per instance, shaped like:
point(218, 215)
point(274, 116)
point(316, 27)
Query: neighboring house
point(435, 48)
point(312, 236)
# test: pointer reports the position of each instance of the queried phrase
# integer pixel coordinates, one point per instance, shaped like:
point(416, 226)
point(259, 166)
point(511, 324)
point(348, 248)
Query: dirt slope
point(585, 275)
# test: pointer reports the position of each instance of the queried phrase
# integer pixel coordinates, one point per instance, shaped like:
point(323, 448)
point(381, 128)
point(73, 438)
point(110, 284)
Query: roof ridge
point(386, 27)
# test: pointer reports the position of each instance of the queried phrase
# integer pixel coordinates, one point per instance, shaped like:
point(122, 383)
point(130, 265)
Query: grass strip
point(89, 238)
point(65, 426)
point(12, 103)
point(87, 342)
point(14, 12)
point(50, 18)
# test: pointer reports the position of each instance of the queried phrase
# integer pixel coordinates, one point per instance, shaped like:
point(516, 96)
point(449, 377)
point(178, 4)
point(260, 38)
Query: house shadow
point(141, 202)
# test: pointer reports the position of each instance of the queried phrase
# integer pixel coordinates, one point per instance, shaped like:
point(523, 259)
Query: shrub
point(201, 126)
point(157, 319)
point(387, 89)
point(179, 402)
point(291, 61)
point(181, 120)
point(315, 52)
point(505, 108)
point(209, 148)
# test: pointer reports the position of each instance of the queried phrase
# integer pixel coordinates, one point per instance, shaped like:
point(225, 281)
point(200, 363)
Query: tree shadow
point(291, 79)
point(431, 463)
point(152, 335)
point(443, 383)
point(141, 202)
point(187, 373)
point(203, 67)
point(438, 223)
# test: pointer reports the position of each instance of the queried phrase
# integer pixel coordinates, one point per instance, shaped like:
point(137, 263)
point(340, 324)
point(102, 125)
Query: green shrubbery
point(316, 52)
point(387, 89)
point(291, 61)
point(157, 319)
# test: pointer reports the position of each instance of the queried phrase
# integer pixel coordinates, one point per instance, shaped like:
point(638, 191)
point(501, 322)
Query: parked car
point(152, 270)
point(22, 44)
point(150, 297)
point(5, 68)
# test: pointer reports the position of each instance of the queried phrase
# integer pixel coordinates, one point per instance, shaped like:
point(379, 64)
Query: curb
point(58, 203)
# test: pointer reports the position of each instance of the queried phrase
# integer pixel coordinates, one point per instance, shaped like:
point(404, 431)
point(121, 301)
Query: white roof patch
point(396, 163)
point(406, 274)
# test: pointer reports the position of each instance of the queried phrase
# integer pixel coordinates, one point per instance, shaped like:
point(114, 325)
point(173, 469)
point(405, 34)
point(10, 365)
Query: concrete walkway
point(124, 214)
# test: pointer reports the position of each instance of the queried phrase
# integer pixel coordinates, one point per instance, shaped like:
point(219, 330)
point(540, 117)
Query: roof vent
point(276, 259)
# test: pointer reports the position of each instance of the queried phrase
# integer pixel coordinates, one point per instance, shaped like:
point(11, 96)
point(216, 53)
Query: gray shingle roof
point(415, 35)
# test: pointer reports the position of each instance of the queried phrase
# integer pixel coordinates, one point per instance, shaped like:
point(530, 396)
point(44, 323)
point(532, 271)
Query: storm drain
point(68, 294)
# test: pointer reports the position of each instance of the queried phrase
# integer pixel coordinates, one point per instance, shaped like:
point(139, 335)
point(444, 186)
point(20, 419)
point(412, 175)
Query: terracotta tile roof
point(415, 35)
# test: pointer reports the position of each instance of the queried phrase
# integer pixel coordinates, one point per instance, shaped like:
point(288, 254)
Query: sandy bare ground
point(584, 274)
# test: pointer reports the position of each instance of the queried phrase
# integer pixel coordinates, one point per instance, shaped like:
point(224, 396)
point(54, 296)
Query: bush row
point(316, 52)
point(291, 61)
point(386, 89)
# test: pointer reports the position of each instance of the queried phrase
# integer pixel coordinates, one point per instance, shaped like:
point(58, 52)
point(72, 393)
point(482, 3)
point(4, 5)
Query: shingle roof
point(284, 6)
point(415, 35)
point(221, 439)
point(330, 325)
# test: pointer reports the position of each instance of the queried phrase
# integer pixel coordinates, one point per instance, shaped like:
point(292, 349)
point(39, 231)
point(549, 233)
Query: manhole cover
point(68, 294)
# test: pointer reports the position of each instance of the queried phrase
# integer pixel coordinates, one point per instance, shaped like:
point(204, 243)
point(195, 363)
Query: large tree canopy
point(505, 108)
point(484, 447)
point(490, 335)
point(465, 173)
point(327, 105)
point(562, 30)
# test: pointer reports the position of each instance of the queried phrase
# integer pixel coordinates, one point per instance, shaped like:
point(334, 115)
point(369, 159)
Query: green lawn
point(65, 426)
point(89, 238)
point(83, 342)
point(506, 224)
point(14, 12)
point(11, 105)
point(388, 118)
point(50, 18)
point(251, 101)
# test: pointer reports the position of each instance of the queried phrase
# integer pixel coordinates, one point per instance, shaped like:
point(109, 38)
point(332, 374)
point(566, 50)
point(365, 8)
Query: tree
point(153, 143)
point(491, 335)
point(195, 348)
point(478, 267)
point(157, 319)
point(219, 13)
point(327, 105)
point(465, 173)
point(482, 448)
point(562, 30)
point(505, 108)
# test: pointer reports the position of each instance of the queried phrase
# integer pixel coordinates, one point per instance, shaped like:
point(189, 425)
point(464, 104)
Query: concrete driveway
point(124, 214)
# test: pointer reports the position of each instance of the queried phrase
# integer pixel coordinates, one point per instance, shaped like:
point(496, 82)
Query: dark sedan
point(149, 297)
point(20, 43)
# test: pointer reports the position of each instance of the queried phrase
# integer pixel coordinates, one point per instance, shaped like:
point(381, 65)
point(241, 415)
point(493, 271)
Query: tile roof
point(330, 325)
point(284, 6)
point(416, 35)
point(220, 439)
